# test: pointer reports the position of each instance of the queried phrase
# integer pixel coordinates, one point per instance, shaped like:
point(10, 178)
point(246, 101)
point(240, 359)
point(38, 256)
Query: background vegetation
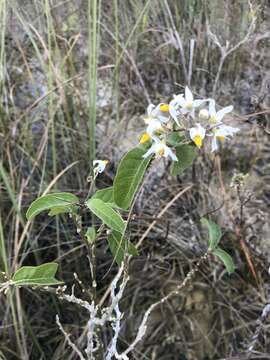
point(75, 79)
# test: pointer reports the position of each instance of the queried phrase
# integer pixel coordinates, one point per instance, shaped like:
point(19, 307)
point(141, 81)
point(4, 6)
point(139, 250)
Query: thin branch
point(67, 338)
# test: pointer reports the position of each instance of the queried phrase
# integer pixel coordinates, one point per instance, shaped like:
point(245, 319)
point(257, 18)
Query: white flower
point(99, 166)
point(221, 133)
point(197, 134)
point(157, 117)
point(159, 112)
point(187, 102)
point(153, 127)
point(159, 148)
point(217, 116)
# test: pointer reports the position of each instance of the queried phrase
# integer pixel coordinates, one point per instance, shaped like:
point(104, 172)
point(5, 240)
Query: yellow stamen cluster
point(198, 141)
point(144, 138)
point(220, 137)
point(164, 107)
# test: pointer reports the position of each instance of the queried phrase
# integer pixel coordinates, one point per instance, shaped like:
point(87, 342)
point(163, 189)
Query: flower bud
point(203, 114)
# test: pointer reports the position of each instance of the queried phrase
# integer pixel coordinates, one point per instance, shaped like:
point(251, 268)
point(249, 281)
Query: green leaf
point(50, 201)
point(61, 210)
point(119, 247)
point(106, 214)
point(105, 195)
point(174, 139)
point(129, 175)
point(91, 235)
point(214, 233)
point(185, 154)
point(225, 258)
point(42, 275)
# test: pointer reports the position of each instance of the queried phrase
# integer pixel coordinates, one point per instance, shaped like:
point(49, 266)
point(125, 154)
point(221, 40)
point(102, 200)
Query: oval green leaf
point(50, 201)
point(106, 214)
point(226, 259)
point(91, 235)
point(186, 154)
point(175, 139)
point(214, 233)
point(42, 275)
point(129, 175)
point(105, 195)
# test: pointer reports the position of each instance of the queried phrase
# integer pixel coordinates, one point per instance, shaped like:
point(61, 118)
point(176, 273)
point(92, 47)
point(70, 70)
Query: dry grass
point(146, 50)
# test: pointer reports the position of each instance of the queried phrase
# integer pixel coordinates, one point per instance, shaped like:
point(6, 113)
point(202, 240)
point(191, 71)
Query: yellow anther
point(164, 107)
point(220, 137)
point(144, 138)
point(198, 141)
point(161, 152)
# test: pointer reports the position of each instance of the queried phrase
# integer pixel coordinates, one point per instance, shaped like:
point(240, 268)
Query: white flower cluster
point(198, 119)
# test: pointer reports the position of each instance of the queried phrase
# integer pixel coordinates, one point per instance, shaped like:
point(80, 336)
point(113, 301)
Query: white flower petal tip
point(99, 166)
point(188, 95)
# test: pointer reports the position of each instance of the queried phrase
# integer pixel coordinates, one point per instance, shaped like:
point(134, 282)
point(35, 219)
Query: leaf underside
point(129, 176)
point(42, 275)
point(51, 201)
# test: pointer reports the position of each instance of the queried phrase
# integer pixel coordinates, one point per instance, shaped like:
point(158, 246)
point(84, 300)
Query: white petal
point(188, 95)
point(192, 113)
point(149, 151)
point(173, 112)
point(101, 167)
point(172, 155)
point(225, 130)
point(156, 110)
point(179, 100)
point(153, 126)
point(221, 113)
point(200, 130)
point(193, 132)
point(163, 119)
point(214, 144)
point(156, 140)
point(184, 111)
point(150, 108)
point(212, 107)
point(197, 103)
point(220, 132)
point(230, 129)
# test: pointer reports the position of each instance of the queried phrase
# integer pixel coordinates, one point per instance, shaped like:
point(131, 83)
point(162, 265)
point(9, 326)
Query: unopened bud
point(203, 114)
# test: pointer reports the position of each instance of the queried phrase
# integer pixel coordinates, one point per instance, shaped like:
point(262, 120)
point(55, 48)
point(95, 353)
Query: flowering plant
point(175, 131)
